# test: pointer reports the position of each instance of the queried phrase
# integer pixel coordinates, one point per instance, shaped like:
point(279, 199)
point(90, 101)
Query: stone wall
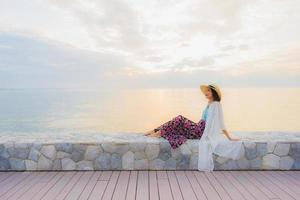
point(137, 153)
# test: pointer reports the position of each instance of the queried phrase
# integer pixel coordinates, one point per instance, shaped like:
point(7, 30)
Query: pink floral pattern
point(179, 129)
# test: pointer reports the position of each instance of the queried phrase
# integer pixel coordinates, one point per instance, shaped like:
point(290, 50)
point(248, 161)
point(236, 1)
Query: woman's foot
point(156, 134)
point(149, 133)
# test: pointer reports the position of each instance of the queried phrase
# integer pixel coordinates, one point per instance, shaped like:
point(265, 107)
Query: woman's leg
point(194, 130)
point(175, 131)
point(167, 127)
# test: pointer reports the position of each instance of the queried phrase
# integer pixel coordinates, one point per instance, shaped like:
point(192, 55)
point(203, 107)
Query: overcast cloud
point(170, 43)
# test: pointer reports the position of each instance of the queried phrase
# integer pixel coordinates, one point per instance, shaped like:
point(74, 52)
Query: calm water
point(48, 111)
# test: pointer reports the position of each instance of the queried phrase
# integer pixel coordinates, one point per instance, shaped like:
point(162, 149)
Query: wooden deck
point(164, 185)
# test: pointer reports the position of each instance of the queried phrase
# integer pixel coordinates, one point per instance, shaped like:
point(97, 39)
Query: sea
point(48, 111)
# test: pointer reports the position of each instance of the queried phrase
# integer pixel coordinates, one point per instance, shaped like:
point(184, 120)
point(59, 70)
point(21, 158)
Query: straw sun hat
point(214, 87)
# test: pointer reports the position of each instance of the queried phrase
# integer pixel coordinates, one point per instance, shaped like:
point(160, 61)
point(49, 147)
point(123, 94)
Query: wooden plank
point(286, 181)
point(132, 185)
point(228, 186)
point(45, 188)
point(217, 186)
point(48, 176)
point(195, 186)
point(162, 174)
point(271, 186)
point(293, 178)
point(147, 185)
point(18, 186)
point(185, 186)
point(142, 191)
point(164, 189)
point(5, 175)
point(90, 186)
point(105, 176)
point(280, 184)
point(13, 181)
point(292, 173)
point(58, 187)
point(68, 187)
point(98, 190)
point(207, 188)
point(175, 189)
point(261, 187)
point(121, 187)
point(245, 183)
point(243, 191)
point(109, 191)
point(28, 186)
point(153, 186)
point(77, 189)
point(40, 184)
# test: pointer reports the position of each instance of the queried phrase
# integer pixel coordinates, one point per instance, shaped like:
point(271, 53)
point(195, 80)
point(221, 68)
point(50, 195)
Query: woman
point(211, 129)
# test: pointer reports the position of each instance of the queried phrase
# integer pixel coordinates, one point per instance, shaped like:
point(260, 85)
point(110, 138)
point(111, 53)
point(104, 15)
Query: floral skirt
point(179, 129)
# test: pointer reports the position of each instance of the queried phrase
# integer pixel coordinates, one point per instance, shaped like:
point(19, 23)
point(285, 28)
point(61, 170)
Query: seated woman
point(179, 129)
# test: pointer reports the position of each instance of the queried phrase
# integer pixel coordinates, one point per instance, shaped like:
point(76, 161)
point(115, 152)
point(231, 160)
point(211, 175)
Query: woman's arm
point(225, 132)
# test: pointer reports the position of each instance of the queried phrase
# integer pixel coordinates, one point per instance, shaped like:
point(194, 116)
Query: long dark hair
point(215, 95)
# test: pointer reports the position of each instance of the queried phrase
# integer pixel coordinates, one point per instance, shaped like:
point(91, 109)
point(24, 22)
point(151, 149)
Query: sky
point(145, 44)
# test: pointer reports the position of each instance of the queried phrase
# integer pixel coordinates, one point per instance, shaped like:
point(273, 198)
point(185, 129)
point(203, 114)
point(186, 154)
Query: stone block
point(78, 152)
point(243, 163)
point(103, 162)
point(194, 162)
point(21, 153)
point(49, 151)
point(137, 147)
point(62, 154)
point(183, 162)
point(271, 146)
point(30, 165)
point(116, 161)
point(142, 164)
point(282, 149)
point(115, 148)
point(57, 164)
point(229, 165)
point(256, 163)
point(193, 145)
point(66, 147)
point(250, 153)
point(17, 164)
point(262, 149)
point(286, 163)
point(85, 165)
point(4, 163)
point(185, 150)
point(128, 161)
point(270, 161)
point(139, 155)
point(92, 152)
point(152, 151)
point(156, 164)
point(68, 164)
point(221, 159)
point(44, 163)
point(34, 155)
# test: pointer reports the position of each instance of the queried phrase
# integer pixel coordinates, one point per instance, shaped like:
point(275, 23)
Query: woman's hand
point(225, 132)
point(233, 139)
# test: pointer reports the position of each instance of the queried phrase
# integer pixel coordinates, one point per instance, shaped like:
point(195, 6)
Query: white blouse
point(213, 141)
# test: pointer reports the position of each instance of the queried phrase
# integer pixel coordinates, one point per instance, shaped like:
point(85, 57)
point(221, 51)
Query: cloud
point(144, 40)
point(31, 62)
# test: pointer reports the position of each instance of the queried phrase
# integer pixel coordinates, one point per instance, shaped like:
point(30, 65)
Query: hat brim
point(204, 88)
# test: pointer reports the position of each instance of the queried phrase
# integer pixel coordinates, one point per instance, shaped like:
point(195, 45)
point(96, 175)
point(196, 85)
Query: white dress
point(213, 141)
